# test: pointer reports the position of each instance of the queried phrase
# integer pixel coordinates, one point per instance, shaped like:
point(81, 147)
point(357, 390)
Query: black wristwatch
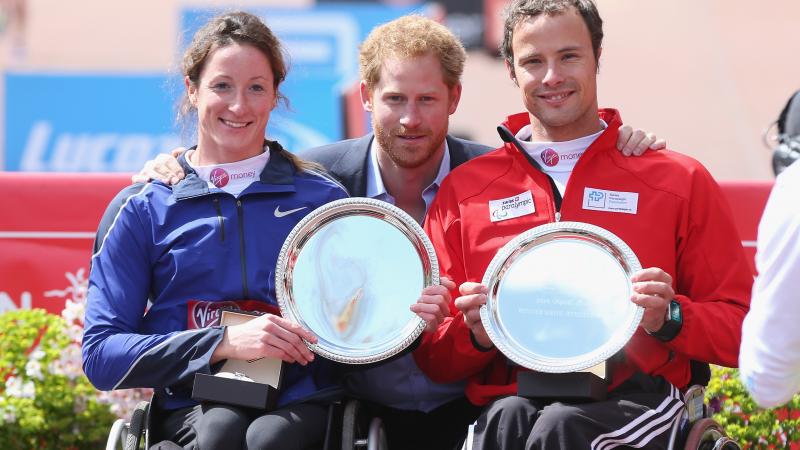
point(672, 325)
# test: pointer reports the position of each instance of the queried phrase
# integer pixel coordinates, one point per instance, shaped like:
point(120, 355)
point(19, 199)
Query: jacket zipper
point(240, 214)
point(219, 218)
point(508, 137)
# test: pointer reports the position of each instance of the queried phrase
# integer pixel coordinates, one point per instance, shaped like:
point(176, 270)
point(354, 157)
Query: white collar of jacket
point(277, 176)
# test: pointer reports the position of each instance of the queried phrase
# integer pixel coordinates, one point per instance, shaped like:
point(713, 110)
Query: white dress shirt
point(400, 383)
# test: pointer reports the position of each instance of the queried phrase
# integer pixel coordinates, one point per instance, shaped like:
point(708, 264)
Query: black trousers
point(639, 414)
point(443, 428)
point(216, 426)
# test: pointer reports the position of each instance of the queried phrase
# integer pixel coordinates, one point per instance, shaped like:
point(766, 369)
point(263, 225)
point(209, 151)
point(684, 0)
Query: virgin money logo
point(219, 177)
point(202, 314)
point(206, 314)
point(549, 157)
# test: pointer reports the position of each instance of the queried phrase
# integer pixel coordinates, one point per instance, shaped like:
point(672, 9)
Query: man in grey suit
point(410, 70)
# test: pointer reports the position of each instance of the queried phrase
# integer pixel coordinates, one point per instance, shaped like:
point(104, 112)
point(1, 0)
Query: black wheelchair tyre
point(350, 425)
point(136, 428)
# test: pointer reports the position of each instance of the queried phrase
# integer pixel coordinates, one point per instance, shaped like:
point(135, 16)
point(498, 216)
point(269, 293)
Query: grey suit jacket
point(347, 160)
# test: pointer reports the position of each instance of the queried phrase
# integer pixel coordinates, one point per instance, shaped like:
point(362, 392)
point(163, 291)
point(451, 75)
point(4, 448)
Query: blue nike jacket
point(189, 242)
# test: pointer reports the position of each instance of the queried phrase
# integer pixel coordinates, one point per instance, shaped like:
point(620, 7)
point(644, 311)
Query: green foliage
point(45, 400)
point(744, 421)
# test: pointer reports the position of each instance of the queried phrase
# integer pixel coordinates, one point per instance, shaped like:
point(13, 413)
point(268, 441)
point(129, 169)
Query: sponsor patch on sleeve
point(610, 201)
point(511, 207)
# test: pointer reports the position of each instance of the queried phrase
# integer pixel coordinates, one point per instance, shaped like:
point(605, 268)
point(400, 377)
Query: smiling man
point(410, 83)
point(559, 157)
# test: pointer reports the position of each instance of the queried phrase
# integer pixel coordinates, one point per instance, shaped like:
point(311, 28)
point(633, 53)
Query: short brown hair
point(520, 10)
point(407, 37)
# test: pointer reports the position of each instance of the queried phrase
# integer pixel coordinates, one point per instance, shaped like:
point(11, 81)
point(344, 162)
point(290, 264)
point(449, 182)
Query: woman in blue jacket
point(212, 239)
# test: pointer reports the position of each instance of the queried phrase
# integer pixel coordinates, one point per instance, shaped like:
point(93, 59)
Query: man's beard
point(407, 155)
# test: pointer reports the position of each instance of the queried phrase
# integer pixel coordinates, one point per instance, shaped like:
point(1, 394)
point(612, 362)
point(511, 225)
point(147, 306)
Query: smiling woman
point(182, 247)
point(232, 78)
point(233, 97)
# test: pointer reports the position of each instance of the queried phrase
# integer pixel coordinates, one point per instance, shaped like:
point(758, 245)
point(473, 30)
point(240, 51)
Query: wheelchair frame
point(347, 429)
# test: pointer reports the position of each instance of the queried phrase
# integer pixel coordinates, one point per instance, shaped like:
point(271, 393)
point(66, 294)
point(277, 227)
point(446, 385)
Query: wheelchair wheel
point(726, 443)
point(376, 439)
point(704, 435)
point(350, 425)
point(137, 426)
point(116, 435)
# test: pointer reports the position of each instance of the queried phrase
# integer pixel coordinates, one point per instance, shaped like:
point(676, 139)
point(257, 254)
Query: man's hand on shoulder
point(164, 168)
point(636, 142)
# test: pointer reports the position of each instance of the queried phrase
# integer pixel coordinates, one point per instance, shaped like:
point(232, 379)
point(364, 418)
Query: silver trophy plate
point(560, 297)
point(349, 271)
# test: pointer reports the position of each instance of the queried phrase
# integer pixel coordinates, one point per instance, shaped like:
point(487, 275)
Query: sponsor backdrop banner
point(116, 122)
point(86, 123)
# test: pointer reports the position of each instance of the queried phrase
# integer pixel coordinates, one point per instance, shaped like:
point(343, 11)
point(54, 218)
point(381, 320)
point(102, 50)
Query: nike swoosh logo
point(279, 213)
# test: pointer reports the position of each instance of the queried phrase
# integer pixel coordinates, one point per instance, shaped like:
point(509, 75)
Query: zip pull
point(558, 216)
point(220, 219)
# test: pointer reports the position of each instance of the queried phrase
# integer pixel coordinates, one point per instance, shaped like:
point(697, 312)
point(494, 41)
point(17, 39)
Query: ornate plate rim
point(546, 364)
point(334, 210)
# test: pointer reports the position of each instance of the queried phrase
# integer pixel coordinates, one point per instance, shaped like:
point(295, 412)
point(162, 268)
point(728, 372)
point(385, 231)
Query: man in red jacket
point(668, 210)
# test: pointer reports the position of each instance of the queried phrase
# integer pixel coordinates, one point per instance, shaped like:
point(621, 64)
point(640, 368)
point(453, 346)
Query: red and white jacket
point(682, 225)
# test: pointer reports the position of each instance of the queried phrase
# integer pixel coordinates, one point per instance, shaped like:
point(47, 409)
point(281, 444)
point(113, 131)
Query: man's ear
point(454, 98)
point(191, 91)
point(597, 60)
point(511, 74)
point(366, 96)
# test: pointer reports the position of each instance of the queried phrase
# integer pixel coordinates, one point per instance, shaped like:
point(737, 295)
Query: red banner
point(47, 227)
point(747, 200)
point(48, 222)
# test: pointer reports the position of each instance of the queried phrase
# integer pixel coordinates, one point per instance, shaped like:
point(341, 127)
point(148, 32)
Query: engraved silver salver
point(560, 297)
point(349, 272)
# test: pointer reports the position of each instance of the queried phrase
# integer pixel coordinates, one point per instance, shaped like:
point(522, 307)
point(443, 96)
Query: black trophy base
point(572, 387)
point(250, 394)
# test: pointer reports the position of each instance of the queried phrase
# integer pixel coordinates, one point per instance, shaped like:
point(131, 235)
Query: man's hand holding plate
point(652, 290)
point(433, 304)
point(473, 296)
